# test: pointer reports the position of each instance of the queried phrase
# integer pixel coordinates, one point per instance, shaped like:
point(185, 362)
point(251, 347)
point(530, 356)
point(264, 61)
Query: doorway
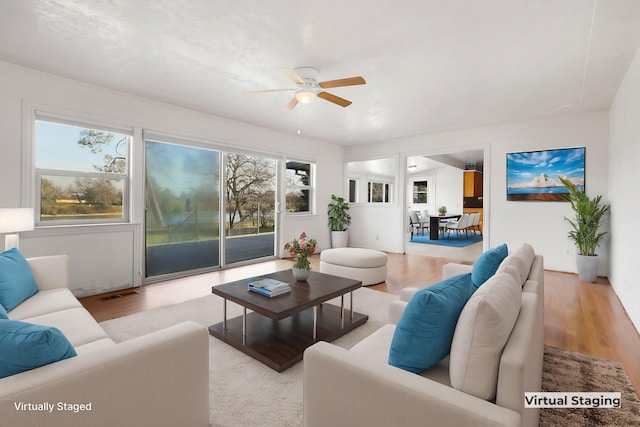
point(435, 182)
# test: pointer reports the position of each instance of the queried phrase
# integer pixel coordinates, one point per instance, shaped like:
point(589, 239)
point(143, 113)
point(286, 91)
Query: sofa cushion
point(94, 346)
point(16, 280)
point(521, 259)
point(510, 270)
point(483, 329)
point(24, 346)
point(3, 313)
point(44, 302)
point(75, 323)
point(424, 332)
point(487, 264)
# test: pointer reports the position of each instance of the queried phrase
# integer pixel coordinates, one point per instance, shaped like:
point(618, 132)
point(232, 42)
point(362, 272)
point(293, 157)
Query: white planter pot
point(301, 275)
point(339, 239)
point(587, 268)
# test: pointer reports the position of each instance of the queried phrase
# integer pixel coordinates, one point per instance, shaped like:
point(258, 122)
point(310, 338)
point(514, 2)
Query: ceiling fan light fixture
point(305, 96)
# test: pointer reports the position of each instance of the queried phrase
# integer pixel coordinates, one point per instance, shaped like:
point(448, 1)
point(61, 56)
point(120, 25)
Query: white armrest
point(407, 293)
point(342, 388)
point(453, 269)
point(396, 308)
point(50, 272)
point(159, 379)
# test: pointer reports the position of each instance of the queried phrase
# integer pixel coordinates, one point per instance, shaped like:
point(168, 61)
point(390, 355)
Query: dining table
point(434, 224)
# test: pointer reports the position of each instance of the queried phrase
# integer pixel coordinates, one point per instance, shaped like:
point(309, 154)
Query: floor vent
point(120, 295)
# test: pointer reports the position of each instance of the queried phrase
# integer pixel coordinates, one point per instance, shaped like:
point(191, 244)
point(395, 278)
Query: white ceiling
point(430, 65)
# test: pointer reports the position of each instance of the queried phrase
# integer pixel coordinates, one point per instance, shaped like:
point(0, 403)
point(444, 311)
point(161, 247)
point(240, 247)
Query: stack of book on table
point(269, 287)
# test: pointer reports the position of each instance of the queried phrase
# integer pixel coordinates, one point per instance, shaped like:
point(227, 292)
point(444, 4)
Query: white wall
point(108, 257)
point(449, 189)
point(624, 153)
point(539, 223)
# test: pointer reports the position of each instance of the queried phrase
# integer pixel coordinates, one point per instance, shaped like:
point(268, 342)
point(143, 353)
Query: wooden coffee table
point(278, 330)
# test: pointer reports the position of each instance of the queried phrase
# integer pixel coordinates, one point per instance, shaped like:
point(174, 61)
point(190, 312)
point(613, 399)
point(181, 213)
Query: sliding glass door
point(250, 201)
point(182, 225)
point(185, 213)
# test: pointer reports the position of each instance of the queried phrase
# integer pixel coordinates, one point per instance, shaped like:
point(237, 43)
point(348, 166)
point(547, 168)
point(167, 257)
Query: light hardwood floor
point(582, 317)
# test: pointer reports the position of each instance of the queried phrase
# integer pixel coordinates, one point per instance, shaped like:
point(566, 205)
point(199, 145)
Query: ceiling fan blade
point(335, 99)
point(291, 105)
point(268, 90)
point(350, 81)
point(291, 74)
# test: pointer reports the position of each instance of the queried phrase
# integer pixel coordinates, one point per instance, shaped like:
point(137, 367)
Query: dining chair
point(415, 224)
point(460, 224)
point(424, 221)
point(475, 223)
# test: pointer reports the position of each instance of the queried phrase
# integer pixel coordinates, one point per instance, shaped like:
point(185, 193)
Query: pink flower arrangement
point(300, 249)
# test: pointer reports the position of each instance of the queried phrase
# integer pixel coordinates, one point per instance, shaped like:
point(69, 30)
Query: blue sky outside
point(178, 168)
point(182, 169)
point(522, 168)
point(58, 148)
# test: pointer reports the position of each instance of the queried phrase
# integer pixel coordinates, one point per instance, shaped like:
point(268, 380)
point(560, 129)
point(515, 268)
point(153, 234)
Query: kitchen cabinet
point(472, 184)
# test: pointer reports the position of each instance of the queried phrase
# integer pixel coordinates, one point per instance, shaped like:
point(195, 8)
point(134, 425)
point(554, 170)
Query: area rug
point(243, 391)
point(451, 240)
point(566, 371)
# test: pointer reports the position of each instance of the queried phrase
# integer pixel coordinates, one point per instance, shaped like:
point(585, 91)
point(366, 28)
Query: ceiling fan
point(309, 87)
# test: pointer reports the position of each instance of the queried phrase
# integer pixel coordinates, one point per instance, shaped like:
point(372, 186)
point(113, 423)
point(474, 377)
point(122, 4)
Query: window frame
point(387, 191)
point(417, 192)
point(38, 173)
point(353, 191)
point(310, 187)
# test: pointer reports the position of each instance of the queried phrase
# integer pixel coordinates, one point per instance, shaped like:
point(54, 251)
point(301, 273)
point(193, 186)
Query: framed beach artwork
point(533, 175)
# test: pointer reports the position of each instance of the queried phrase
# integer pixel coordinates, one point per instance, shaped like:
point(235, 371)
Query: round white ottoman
point(366, 265)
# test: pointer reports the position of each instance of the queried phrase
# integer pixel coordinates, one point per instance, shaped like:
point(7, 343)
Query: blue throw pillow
point(3, 313)
point(24, 346)
point(16, 280)
point(424, 333)
point(487, 264)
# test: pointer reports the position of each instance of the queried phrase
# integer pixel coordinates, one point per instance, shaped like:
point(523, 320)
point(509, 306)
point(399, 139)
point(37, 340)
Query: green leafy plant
point(442, 210)
point(587, 220)
point(339, 218)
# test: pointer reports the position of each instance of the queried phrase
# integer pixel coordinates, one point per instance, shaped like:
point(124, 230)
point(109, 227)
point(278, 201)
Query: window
point(182, 221)
point(372, 181)
point(379, 192)
point(299, 195)
point(420, 194)
point(353, 190)
point(81, 173)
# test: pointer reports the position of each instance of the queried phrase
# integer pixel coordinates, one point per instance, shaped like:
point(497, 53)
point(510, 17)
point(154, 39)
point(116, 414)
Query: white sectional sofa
point(359, 386)
point(160, 379)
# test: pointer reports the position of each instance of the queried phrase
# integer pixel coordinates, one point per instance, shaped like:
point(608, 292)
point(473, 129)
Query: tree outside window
point(81, 174)
point(299, 194)
point(379, 192)
point(420, 194)
point(250, 195)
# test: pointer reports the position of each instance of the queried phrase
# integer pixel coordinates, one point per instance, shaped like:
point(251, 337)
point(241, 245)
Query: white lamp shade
point(305, 97)
point(14, 220)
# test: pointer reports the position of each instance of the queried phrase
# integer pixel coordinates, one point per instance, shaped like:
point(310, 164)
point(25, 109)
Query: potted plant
point(339, 220)
point(586, 232)
point(301, 249)
point(442, 210)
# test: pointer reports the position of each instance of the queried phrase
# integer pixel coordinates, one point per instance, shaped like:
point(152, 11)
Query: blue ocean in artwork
point(543, 190)
point(539, 172)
